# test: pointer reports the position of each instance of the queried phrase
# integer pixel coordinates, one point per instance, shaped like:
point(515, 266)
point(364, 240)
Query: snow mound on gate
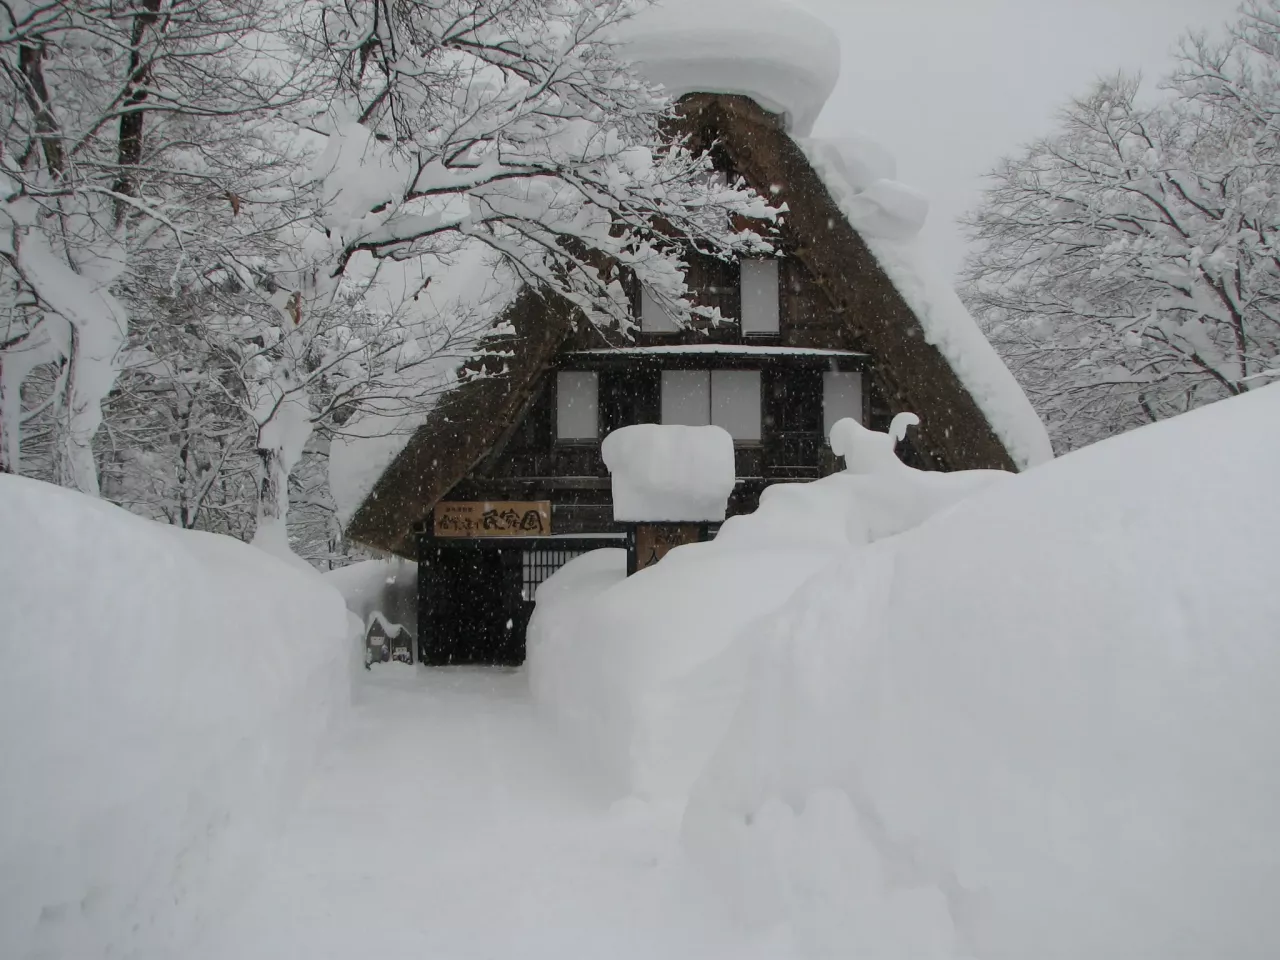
point(889, 216)
point(161, 694)
point(1041, 724)
point(668, 472)
point(634, 668)
point(772, 51)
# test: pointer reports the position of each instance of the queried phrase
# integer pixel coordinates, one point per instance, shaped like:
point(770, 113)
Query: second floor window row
point(760, 298)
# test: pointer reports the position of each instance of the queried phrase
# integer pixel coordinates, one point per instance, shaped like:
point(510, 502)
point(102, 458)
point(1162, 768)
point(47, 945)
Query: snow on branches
point(1128, 266)
point(513, 123)
point(232, 231)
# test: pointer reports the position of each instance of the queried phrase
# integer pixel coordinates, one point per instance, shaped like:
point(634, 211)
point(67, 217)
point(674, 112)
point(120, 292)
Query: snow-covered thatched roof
point(752, 76)
point(772, 51)
point(787, 61)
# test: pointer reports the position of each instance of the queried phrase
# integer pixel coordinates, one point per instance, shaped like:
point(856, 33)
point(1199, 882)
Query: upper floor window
point(841, 398)
point(761, 310)
point(653, 318)
point(750, 289)
point(577, 405)
point(722, 398)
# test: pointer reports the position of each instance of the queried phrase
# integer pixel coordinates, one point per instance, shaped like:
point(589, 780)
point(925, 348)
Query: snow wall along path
point(162, 693)
point(1045, 723)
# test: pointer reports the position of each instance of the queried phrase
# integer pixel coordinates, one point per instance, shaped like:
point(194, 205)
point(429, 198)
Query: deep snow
point(447, 822)
point(967, 715)
point(162, 695)
point(1044, 723)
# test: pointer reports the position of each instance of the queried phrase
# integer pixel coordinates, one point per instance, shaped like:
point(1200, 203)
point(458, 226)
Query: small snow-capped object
point(669, 483)
point(869, 451)
point(385, 642)
point(670, 473)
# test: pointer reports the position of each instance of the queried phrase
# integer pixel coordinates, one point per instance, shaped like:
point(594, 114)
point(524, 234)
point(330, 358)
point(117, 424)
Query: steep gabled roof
point(911, 369)
point(465, 425)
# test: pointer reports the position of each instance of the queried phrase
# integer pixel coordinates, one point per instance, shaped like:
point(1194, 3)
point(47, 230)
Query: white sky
point(950, 86)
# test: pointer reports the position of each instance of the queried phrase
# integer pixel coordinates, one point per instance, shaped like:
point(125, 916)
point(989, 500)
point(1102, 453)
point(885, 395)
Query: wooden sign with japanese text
point(655, 541)
point(493, 519)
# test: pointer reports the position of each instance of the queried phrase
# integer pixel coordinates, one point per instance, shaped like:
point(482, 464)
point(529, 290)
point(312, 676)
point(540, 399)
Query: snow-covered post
point(280, 405)
point(669, 483)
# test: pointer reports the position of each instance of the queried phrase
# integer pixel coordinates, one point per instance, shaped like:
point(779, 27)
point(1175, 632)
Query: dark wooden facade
point(495, 438)
point(528, 463)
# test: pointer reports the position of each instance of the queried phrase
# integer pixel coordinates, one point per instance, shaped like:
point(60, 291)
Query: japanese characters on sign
point(494, 519)
point(654, 541)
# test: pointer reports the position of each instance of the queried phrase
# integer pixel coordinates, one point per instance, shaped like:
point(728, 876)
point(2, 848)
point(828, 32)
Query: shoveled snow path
point(447, 822)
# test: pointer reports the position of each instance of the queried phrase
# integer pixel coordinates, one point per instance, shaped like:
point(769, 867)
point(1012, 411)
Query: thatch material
point(474, 419)
point(912, 373)
point(469, 420)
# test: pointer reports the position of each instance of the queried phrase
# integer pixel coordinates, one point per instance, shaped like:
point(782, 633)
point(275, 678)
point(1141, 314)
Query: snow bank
point(633, 667)
point(772, 51)
point(668, 472)
point(621, 662)
point(1042, 724)
point(161, 694)
point(889, 215)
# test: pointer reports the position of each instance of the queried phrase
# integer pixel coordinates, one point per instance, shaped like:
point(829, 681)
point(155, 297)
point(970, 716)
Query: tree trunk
point(132, 115)
point(10, 414)
point(83, 416)
point(31, 66)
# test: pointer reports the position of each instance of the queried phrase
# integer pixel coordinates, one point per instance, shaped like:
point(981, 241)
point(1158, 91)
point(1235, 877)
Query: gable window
point(653, 318)
point(841, 398)
point(761, 309)
point(722, 398)
point(577, 405)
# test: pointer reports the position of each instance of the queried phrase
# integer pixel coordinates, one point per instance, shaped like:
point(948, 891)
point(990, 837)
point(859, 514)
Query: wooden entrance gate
point(475, 596)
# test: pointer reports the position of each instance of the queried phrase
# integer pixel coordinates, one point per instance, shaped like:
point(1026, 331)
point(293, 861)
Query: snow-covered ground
point(448, 821)
point(163, 694)
point(892, 714)
point(968, 715)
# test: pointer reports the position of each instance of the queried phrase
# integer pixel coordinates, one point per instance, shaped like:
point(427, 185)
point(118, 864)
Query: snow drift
point(1042, 724)
point(161, 694)
point(633, 667)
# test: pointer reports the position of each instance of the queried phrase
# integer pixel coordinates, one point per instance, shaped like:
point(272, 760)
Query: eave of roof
point(718, 349)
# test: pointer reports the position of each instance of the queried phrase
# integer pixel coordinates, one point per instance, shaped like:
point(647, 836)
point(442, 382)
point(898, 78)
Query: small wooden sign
point(494, 519)
point(654, 541)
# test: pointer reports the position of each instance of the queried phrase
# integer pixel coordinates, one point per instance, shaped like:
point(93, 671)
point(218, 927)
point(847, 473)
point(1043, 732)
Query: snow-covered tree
point(222, 223)
point(1127, 266)
point(136, 129)
point(451, 125)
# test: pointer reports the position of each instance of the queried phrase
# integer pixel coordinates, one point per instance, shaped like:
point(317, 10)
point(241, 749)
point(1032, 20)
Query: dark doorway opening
point(476, 596)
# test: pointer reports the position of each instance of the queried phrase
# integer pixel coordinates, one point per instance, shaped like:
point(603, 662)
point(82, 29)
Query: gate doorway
point(475, 597)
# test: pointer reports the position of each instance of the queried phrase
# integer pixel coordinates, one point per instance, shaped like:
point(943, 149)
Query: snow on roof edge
point(947, 325)
point(721, 349)
point(776, 52)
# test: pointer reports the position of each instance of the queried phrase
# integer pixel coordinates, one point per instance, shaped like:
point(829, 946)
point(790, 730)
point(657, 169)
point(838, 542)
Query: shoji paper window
point(577, 405)
point(653, 319)
point(841, 398)
point(760, 307)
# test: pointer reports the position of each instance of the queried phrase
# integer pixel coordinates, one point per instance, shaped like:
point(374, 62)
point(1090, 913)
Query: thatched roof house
point(844, 322)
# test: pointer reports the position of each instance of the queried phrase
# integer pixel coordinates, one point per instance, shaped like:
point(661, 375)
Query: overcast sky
point(950, 86)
